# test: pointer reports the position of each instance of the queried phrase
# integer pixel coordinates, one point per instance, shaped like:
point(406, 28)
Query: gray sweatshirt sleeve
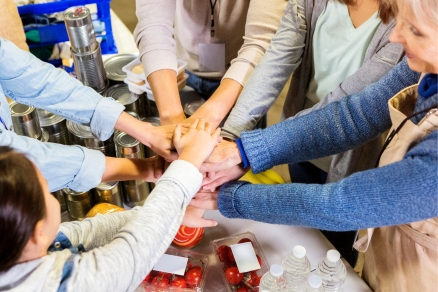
point(271, 74)
point(138, 239)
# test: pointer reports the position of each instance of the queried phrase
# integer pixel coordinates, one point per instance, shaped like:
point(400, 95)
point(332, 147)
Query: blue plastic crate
point(56, 33)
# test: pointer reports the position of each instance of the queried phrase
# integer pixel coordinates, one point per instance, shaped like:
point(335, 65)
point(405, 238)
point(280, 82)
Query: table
point(276, 242)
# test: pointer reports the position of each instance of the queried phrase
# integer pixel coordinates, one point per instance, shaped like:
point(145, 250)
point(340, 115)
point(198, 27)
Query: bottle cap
point(314, 281)
point(299, 251)
point(333, 255)
point(276, 270)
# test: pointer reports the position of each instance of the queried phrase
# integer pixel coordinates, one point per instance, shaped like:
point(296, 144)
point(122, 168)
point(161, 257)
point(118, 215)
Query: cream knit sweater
point(246, 27)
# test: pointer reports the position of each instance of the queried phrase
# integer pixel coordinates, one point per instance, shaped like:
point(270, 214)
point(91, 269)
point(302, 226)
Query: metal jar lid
point(80, 131)
point(128, 146)
point(22, 113)
point(113, 66)
point(121, 94)
point(106, 186)
point(71, 195)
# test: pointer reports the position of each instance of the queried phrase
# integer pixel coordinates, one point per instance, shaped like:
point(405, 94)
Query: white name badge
point(171, 264)
point(245, 257)
point(211, 57)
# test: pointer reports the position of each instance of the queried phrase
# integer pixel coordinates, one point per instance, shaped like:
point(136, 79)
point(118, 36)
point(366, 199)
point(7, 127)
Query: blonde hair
point(423, 9)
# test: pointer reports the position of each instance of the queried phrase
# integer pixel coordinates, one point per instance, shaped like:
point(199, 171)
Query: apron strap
point(362, 243)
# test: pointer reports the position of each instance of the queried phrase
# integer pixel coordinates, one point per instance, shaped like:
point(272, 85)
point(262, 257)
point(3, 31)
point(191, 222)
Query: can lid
point(124, 140)
point(299, 251)
point(314, 281)
point(72, 195)
point(113, 66)
point(333, 255)
point(121, 94)
point(107, 185)
point(77, 16)
point(80, 131)
point(18, 109)
point(191, 107)
point(51, 120)
point(42, 113)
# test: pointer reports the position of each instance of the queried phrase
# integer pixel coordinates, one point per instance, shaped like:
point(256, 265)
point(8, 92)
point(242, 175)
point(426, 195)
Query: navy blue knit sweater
point(402, 192)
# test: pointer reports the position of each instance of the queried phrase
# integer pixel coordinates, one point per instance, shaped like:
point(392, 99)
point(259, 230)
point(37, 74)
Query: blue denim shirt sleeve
point(28, 80)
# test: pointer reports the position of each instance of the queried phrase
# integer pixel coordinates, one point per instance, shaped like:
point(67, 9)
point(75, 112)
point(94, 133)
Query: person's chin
point(416, 66)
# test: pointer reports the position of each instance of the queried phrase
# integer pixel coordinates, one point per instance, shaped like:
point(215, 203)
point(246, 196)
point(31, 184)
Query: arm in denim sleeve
point(271, 74)
point(63, 166)
point(338, 127)
point(28, 80)
point(399, 193)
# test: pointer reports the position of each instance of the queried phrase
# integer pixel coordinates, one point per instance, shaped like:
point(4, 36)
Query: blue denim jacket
point(27, 80)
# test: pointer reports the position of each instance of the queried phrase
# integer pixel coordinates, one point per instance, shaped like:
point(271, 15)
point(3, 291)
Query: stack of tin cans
point(55, 126)
point(25, 121)
point(85, 49)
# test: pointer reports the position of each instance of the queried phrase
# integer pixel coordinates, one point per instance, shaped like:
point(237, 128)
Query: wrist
point(194, 159)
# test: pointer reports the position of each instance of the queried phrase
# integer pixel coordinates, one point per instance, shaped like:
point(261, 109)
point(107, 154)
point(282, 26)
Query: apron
point(403, 258)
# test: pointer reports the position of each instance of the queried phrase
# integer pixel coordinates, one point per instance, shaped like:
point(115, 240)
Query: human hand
point(160, 165)
point(194, 217)
point(214, 180)
point(224, 156)
point(197, 144)
point(205, 200)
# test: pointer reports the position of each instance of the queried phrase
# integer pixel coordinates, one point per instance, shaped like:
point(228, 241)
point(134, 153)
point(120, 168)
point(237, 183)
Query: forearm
point(120, 169)
point(360, 201)
point(165, 88)
point(219, 104)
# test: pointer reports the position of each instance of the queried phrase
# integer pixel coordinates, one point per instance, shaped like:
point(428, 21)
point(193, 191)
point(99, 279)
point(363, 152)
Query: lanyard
point(212, 5)
point(4, 124)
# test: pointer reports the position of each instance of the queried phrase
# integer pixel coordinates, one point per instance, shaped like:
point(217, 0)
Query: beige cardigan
point(246, 27)
point(11, 27)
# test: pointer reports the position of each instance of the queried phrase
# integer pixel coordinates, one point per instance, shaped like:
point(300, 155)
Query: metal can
point(108, 192)
point(56, 127)
point(78, 203)
point(59, 195)
point(191, 107)
point(80, 29)
point(82, 135)
point(113, 67)
point(121, 94)
point(25, 120)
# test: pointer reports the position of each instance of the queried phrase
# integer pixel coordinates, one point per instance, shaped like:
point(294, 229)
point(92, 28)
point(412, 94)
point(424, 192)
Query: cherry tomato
point(222, 252)
point(165, 275)
point(251, 279)
point(242, 289)
point(245, 240)
point(233, 276)
point(231, 256)
point(178, 282)
point(259, 258)
point(148, 278)
point(160, 281)
point(193, 277)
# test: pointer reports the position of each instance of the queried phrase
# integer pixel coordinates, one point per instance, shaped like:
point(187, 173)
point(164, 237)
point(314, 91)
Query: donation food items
point(103, 208)
point(188, 237)
point(237, 281)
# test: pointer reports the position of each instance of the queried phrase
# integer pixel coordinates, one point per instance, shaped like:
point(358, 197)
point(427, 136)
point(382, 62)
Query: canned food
point(121, 94)
point(80, 29)
point(56, 128)
point(108, 192)
point(59, 195)
point(113, 67)
point(128, 147)
point(135, 192)
point(25, 120)
point(78, 203)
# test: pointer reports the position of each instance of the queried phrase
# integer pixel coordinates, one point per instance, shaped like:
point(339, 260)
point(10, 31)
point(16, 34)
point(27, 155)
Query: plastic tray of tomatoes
point(236, 281)
point(193, 279)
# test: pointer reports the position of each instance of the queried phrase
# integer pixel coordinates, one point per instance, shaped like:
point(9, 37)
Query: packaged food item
point(188, 237)
point(193, 278)
point(234, 279)
point(103, 208)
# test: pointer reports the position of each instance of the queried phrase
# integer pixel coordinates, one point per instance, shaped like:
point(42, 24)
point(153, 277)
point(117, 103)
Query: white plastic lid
point(299, 251)
point(333, 255)
point(314, 281)
point(276, 270)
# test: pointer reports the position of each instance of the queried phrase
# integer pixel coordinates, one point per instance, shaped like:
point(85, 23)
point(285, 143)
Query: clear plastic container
point(222, 251)
point(314, 284)
point(273, 281)
point(332, 272)
point(296, 267)
point(193, 279)
point(139, 77)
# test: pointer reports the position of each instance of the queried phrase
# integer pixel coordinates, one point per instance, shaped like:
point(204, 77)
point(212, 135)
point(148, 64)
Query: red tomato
point(251, 279)
point(242, 289)
point(165, 275)
point(233, 276)
point(222, 252)
point(245, 240)
point(193, 277)
point(231, 256)
point(148, 278)
point(160, 281)
point(228, 264)
point(259, 258)
point(178, 282)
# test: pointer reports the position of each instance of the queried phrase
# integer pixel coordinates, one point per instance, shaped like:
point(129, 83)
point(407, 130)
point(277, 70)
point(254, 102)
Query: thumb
point(177, 134)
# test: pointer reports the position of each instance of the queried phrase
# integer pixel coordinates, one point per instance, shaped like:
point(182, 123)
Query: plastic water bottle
point(332, 272)
point(314, 284)
point(273, 281)
point(296, 269)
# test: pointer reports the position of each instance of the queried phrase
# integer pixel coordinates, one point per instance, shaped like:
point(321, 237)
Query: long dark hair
point(386, 10)
point(22, 205)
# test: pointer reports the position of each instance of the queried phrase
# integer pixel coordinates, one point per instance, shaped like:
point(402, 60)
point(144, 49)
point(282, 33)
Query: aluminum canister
point(25, 120)
point(80, 29)
point(78, 204)
point(113, 67)
point(135, 192)
point(121, 94)
point(82, 135)
point(56, 127)
point(89, 69)
point(59, 195)
point(108, 192)
point(44, 136)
